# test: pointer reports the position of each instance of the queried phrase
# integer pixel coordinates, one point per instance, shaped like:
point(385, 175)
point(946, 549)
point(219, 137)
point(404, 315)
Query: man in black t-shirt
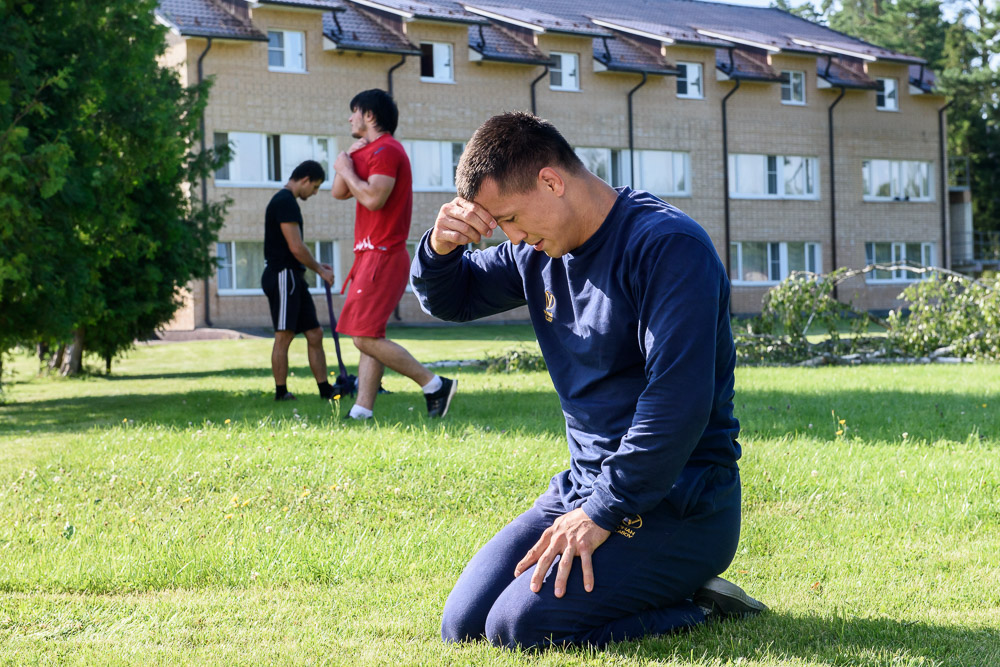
point(284, 280)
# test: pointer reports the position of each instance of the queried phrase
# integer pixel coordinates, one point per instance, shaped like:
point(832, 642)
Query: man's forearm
point(302, 254)
point(361, 190)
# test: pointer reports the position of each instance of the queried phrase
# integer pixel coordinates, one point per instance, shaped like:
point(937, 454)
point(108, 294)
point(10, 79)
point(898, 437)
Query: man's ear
point(551, 180)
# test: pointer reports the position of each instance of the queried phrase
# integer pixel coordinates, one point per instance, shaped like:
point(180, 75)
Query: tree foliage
point(944, 316)
point(97, 231)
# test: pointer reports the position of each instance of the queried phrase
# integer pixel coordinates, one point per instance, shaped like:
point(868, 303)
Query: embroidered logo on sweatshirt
point(629, 525)
point(550, 305)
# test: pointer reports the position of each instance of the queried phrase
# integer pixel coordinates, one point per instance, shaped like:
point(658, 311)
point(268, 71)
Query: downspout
point(534, 108)
point(833, 189)
point(204, 178)
point(392, 69)
point(725, 178)
point(945, 254)
point(631, 151)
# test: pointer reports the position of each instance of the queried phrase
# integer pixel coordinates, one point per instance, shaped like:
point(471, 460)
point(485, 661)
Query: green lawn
point(172, 513)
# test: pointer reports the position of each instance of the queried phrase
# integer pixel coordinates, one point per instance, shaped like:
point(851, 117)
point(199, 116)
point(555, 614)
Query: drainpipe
point(725, 174)
point(534, 108)
point(833, 188)
point(204, 178)
point(945, 254)
point(393, 69)
point(631, 152)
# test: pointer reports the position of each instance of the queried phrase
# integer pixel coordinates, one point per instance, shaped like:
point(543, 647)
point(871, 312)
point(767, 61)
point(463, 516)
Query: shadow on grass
point(824, 640)
point(532, 412)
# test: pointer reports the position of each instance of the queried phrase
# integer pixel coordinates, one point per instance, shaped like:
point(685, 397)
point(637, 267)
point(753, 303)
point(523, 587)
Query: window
point(662, 172)
point(286, 51)
point(564, 73)
point(266, 159)
point(240, 264)
point(773, 177)
point(239, 267)
point(793, 87)
point(433, 164)
point(435, 63)
point(659, 172)
point(887, 95)
point(908, 254)
point(689, 81)
point(764, 262)
point(325, 252)
point(897, 180)
point(598, 162)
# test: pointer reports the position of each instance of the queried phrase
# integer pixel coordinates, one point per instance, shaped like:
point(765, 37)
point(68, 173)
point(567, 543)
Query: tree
point(98, 231)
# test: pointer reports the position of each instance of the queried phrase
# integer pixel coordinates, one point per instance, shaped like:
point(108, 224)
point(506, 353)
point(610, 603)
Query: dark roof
point(670, 32)
point(923, 78)
point(844, 72)
point(308, 4)
point(355, 29)
point(502, 44)
point(451, 12)
point(543, 20)
point(208, 18)
point(624, 54)
point(746, 64)
point(766, 25)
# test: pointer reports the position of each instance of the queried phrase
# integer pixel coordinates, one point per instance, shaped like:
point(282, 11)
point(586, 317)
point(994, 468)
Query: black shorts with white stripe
point(292, 307)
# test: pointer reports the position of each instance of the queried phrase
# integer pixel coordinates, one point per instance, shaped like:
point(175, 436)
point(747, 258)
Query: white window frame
point(264, 162)
point(446, 152)
point(229, 266)
point(570, 78)
point(898, 256)
point(789, 87)
point(777, 260)
point(897, 181)
point(774, 169)
point(287, 53)
point(885, 94)
point(687, 79)
point(442, 62)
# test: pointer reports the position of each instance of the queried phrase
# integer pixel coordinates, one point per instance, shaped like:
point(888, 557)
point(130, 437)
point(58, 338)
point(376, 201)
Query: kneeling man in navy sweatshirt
point(630, 304)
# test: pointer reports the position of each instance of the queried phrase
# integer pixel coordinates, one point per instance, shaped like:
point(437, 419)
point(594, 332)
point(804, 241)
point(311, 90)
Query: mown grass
point(139, 525)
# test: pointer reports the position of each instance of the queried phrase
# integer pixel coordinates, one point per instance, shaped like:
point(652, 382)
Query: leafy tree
point(98, 231)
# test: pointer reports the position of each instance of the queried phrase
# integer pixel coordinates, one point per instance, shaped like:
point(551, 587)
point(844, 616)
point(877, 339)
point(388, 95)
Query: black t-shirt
point(283, 208)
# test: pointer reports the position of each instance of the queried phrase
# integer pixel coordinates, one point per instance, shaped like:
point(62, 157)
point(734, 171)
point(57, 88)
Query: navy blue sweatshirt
point(634, 327)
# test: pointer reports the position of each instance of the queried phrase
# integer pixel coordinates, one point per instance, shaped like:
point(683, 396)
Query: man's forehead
point(496, 205)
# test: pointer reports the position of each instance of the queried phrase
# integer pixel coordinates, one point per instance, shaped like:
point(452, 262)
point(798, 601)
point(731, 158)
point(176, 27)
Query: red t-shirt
point(389, 227)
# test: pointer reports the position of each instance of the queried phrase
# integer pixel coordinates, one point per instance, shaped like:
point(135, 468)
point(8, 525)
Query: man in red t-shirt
point(376, 172)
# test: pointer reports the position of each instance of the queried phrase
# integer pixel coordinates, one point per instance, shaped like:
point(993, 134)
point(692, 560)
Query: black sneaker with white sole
point(286, 397)
point(438, 402)
point(719, 598)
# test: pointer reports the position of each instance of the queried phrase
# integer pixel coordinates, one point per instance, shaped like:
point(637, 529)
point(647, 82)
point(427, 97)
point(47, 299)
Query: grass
point(137, 524)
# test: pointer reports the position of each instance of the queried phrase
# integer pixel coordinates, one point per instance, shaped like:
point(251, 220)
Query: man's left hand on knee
point(571, 535)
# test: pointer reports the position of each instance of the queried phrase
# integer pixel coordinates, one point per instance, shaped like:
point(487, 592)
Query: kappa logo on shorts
point(629, 525)
point(550, 305)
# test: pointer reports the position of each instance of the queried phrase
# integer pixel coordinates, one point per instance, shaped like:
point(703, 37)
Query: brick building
point(795, 146)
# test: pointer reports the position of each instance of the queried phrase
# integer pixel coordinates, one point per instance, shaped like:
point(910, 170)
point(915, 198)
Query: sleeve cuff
point(603, 516)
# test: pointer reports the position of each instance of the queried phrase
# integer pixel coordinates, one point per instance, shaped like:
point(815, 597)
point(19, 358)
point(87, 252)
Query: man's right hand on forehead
point(460, 222)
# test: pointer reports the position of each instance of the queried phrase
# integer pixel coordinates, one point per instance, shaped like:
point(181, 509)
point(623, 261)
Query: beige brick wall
point(246, 97)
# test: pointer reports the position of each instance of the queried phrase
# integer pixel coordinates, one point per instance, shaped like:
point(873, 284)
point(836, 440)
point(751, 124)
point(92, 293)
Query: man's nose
point(513, 233)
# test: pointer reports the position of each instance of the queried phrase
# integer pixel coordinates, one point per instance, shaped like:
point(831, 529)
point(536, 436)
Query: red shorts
point(377, 282)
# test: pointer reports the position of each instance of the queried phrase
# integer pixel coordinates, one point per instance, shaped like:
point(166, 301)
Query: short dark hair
point(314, 170)
point(382, 106)
point(511, 148)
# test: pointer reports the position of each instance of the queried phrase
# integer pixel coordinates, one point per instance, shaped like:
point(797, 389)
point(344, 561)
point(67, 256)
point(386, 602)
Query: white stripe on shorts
point(283, 300)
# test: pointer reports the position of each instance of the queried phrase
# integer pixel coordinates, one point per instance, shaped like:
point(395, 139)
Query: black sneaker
point(438, 402)
point(383, 390)
point(719, 598)
point(286, 397)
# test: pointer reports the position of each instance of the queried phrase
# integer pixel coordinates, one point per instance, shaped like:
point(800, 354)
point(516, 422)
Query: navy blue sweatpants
point(644, 573)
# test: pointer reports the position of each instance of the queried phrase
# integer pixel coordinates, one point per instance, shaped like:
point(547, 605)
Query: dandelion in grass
point(229, 421)
point(229, 516)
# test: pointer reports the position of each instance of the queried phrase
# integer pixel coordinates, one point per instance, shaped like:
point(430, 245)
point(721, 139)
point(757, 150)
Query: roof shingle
point(206, 18)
